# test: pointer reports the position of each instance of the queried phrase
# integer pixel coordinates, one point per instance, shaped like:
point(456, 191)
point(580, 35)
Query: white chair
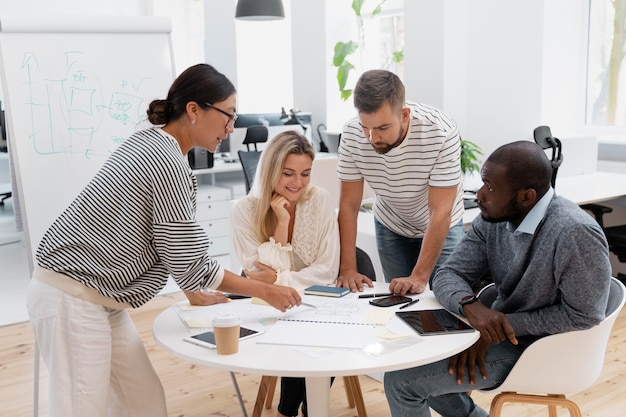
point(559, 365)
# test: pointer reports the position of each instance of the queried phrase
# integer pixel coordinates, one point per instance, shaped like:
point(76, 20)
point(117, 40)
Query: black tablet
point(433, 322)
point(207, 339)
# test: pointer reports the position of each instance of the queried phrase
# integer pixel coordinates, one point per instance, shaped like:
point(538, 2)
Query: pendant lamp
point(260, 10)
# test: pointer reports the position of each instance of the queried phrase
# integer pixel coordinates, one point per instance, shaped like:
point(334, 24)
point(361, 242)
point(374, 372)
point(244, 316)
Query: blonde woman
point(286, 232)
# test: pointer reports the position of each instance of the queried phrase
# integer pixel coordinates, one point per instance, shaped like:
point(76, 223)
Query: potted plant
point(343, 50)
point(469, 157)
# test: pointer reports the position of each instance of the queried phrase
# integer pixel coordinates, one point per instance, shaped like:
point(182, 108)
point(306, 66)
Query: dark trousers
point(292, 394)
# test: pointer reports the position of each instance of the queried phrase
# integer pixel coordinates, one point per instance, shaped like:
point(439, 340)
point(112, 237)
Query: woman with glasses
point(114, 247)
point(286, 232)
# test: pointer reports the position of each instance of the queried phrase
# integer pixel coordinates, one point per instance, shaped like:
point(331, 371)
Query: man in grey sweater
point(549, 261)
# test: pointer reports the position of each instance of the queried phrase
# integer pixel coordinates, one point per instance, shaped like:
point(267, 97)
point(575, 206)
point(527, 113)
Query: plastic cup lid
point(226, 320)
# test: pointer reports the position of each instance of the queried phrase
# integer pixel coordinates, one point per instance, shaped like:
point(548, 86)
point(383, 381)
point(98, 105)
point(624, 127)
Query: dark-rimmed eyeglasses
point(232, 118)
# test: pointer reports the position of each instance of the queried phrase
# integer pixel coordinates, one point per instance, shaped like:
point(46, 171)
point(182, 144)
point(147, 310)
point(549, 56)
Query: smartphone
point(392, 300)
point(207, 339)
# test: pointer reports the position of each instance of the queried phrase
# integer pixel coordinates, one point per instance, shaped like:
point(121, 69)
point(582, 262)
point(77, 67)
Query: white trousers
point(97, 363)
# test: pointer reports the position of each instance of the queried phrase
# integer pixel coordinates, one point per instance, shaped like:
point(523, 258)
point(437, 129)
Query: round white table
point(281, 360)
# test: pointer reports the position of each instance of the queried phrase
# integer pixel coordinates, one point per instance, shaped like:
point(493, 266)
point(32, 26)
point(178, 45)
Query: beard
point(387, 147)
point(512, 212)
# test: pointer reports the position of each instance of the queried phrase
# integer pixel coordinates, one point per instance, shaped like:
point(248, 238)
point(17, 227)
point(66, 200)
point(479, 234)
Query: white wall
point(309, 52)
point(220, 44)
point(187, 44)
point(77, 7)
point(500, 68)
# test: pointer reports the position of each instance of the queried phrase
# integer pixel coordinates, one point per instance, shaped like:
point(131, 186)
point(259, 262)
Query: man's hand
point(407, 285)
point(265, 273)
point(494, 328)
point(201, 298)
point(493, 325)
point(474, 355)
point(354, 281)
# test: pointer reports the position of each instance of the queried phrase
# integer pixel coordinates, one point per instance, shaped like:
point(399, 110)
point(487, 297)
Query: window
point(379, 34)
point(606, 66)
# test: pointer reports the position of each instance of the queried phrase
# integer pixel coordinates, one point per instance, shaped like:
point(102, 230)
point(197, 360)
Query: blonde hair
point(268, 174)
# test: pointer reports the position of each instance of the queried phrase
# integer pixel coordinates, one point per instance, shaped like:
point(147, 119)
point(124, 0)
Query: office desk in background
point(281, 360)
point(593, 187)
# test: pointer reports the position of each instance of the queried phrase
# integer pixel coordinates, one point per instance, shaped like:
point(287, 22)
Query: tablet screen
point(207, 339)
point(433, 322)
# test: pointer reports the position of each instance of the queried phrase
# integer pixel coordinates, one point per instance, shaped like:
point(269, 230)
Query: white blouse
point(312, 256)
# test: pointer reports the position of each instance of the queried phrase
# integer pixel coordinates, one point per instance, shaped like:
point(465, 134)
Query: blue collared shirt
point(534, 216)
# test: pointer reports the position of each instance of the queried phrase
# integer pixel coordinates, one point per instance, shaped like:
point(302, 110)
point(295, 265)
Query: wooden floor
point(194, 391)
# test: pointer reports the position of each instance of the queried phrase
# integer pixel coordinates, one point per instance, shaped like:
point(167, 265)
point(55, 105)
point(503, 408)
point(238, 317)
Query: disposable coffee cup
point(226, 328)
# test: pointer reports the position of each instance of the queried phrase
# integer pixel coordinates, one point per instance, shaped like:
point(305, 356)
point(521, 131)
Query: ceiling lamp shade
point(260, 10)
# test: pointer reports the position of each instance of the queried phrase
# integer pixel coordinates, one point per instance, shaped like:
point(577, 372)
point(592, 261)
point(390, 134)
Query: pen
point(236, 296)
point(410, 303)
point(380, 294)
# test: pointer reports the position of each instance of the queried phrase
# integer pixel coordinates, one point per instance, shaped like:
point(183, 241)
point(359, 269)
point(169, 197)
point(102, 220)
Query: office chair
point(543, 137)
point(615, 235)
point(249, 161)
point(558, 365)
point(267, 387)
point(4, 196)
point(255, 134)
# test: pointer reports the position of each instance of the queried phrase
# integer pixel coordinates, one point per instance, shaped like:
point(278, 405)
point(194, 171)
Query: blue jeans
point(398, 254)
point(410, 392)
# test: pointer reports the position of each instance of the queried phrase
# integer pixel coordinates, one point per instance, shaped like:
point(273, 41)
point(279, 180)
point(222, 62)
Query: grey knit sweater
point(554, 281)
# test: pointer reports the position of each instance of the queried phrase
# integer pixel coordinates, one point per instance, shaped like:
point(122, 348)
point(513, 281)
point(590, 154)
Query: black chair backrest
point(364, 264)
point(255, 134)
point(543, 137)
point(249, 161)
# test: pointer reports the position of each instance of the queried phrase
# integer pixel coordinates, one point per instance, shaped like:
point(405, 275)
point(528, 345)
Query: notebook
point(326, 291)
point(344, 323)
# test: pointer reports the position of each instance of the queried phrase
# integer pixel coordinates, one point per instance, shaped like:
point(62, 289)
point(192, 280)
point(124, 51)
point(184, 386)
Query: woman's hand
point(280, 297)
point(201, 298)
point(354, 281)
point(279, 206)
point(264, 274)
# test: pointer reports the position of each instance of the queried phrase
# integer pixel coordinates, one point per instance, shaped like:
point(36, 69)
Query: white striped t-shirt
point(133, 225)
point(428, 157)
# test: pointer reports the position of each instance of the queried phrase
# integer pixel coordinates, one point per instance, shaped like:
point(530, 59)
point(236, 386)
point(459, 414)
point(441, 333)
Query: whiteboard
point(74, 89)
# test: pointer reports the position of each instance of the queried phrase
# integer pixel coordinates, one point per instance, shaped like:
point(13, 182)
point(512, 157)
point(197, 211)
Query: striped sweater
point(428, 157)
point(133, 225)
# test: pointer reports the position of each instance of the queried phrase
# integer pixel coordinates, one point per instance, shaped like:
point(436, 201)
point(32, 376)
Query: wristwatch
point(465, 301)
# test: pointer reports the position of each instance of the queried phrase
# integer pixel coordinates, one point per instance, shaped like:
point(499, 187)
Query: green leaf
point(378, 8)
point(342, 50)
point(345, 94)
point(357, 5)
point(397, 56)
point(342, 74)
point(469, 157)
